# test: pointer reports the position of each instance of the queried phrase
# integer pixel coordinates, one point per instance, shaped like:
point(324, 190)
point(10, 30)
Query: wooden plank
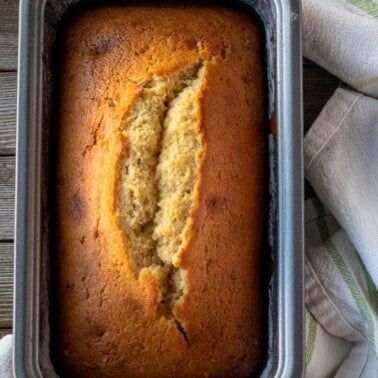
point(6, 284)
point(7, 112)
point(318, 87)
point(7, 174)
point(5, 331)
point(8, 34)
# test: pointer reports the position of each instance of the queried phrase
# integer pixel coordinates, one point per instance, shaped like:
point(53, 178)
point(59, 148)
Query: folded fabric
point(6, 357)
point(341, 302)
point(341, 36)
point(341, 162)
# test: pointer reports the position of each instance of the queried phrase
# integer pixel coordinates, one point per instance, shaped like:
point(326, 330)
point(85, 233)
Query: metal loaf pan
point(280, 20)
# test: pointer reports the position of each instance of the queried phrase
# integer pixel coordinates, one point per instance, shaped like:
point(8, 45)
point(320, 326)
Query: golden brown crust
point(107, 324)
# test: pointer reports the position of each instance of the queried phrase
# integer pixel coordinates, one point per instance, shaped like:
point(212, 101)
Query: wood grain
point(7, 112)
point(7, 171)
point(318, 87)
point(8, 34)
point(5, 331)
point(6, 284)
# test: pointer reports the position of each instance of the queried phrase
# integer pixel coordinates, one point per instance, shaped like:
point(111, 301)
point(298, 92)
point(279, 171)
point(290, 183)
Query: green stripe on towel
point(344, 271)
point(311, 336)
point(372, 290)
point(367, 6)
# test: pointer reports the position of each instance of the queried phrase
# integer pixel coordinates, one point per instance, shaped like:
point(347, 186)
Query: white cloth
point(341, 163)
point(6, 357)
point(341, 302)
point(341, 36)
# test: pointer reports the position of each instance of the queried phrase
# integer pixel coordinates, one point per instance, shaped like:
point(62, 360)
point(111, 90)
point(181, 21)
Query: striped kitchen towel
point(341, 36)
point(341, 163)
point(341, 265)
point(341, 302)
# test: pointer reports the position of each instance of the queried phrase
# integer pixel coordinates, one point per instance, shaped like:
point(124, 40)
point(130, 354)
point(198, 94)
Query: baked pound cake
point(160, 194)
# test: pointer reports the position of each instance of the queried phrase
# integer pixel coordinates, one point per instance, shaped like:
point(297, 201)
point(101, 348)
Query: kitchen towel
point(341, 163)
point(341, 302)
point(341, 36)
point(6, 357)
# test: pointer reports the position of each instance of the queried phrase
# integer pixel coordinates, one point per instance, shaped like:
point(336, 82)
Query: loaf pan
point(280, 21)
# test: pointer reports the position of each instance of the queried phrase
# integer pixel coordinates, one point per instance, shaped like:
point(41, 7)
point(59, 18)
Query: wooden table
point(318, 87)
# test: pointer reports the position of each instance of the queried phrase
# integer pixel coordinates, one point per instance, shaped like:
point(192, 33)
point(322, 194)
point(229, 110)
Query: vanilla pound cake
point(161, 194)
